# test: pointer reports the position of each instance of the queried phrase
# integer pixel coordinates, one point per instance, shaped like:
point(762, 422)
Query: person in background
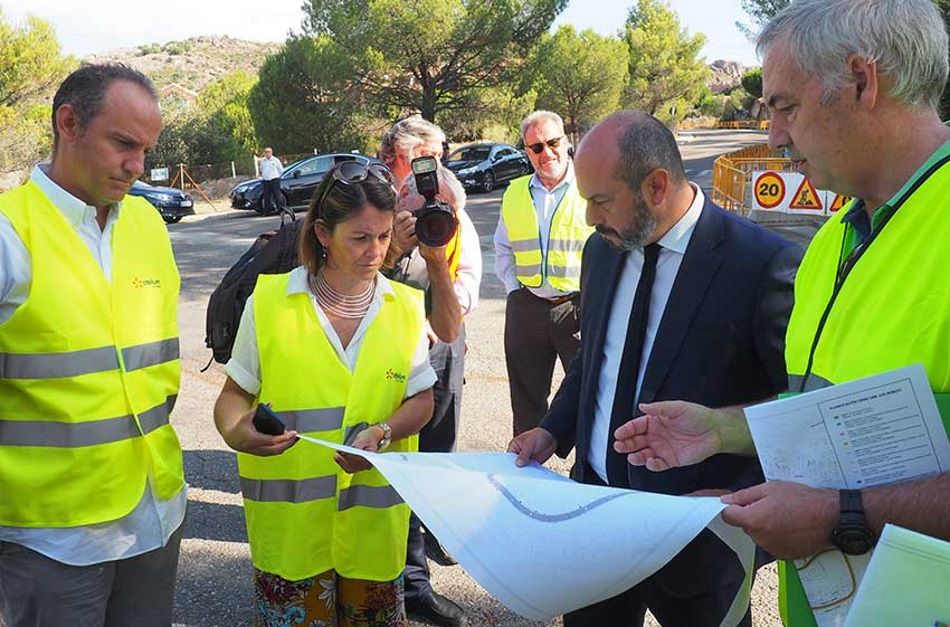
point(272, 200)
point(538, 243)
point(338, 352)
point(451, 276)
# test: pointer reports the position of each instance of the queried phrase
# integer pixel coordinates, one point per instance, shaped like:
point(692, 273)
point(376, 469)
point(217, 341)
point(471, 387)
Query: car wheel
point(172, 219)
point(489, 183)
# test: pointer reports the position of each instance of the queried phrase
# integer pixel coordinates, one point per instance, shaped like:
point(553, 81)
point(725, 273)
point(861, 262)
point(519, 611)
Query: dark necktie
point(623, 409)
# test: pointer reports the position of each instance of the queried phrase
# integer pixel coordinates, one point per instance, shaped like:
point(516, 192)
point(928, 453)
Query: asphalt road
point(214, 586)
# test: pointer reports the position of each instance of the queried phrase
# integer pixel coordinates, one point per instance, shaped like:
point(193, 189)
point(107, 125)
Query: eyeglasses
point(552, 143)
point(350, 172)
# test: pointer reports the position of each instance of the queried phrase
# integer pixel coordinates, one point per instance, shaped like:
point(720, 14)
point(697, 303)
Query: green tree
point(761, 11)
point(226, 101)
point(307, 97)
point(580, 75)
point(31, 66)
point(431, 56)
point(666, 73)
point(752, 82)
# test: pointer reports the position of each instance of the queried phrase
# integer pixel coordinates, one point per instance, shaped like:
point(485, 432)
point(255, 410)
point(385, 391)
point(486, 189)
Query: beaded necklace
point(341, 305)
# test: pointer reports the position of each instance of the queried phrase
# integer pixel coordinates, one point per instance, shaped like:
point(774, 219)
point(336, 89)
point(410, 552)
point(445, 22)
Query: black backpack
point(273, 252)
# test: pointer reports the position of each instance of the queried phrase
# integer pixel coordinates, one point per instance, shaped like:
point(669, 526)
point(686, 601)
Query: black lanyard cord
point(844, 267)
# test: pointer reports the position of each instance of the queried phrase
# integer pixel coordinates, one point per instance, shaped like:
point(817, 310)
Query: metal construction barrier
point(759, 179)
point(760, 125)
point(732, 174)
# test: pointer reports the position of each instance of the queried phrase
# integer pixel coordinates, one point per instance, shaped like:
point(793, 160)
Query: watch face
point(852, 541)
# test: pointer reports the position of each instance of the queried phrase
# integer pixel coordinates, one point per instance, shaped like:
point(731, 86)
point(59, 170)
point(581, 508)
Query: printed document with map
point(874, 431)
point(543, 544)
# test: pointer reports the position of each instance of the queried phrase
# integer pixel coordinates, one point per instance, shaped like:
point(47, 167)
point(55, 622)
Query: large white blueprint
point(541, 543)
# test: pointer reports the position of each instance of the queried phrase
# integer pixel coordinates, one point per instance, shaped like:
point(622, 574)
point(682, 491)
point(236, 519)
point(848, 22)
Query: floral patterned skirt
point(327, 600)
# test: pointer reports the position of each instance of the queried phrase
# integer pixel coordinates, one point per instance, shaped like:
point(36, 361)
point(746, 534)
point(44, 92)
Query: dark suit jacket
point(720, 342)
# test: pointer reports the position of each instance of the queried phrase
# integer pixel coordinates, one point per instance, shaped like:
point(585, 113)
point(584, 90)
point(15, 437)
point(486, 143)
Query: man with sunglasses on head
point(538, 243)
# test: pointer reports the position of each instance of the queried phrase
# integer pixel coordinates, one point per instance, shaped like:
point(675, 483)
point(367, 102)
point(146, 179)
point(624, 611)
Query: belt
point(557, 300)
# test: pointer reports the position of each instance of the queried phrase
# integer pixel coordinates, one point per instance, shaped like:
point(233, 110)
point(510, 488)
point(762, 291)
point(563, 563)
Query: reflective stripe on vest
point(76, 363)
point(89, 369)
point(304, 514)
point(893, 310)
point(561, 263)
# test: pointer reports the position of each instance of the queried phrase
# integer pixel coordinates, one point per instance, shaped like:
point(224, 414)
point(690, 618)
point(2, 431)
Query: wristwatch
point(852, 536)
point(387, 436)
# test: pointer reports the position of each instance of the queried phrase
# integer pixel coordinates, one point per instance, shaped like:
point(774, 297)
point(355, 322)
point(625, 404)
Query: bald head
point(632, 144)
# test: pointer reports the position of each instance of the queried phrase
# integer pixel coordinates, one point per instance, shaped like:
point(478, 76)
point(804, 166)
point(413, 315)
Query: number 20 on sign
point(769, 190)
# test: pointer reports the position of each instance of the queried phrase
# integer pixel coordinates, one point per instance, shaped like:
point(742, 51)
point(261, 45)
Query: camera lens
point(435, 226)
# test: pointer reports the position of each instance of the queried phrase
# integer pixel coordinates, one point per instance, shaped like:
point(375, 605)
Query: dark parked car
point(486, 165)
point(298, 182)
point(172, 203)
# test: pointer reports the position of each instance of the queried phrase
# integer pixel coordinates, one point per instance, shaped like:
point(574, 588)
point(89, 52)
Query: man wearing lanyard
point(854, 90)
point(538, 244)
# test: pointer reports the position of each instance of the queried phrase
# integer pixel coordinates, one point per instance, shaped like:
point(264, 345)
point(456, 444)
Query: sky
point(93, 26)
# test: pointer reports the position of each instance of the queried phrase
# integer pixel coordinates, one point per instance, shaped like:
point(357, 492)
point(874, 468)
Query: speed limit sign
point(769, 190)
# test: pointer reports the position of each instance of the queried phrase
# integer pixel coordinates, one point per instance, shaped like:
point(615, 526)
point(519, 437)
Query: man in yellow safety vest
point(92, 493)
point(854, 89)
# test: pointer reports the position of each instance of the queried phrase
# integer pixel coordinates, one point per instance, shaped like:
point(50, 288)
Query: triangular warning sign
point(840, 201)
point(806, 197)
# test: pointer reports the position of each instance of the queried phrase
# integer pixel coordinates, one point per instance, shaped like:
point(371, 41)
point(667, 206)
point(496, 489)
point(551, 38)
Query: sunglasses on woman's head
point(350, 172)
point(552, 143)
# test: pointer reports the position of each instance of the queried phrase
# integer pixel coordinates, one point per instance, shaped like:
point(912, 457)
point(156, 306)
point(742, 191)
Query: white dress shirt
point(546, 202)
point(270, 168)
point(673, 246)
point(149, 525)
point(244, 366)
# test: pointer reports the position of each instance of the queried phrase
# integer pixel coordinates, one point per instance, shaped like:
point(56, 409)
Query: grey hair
point(85, 89)
point(645, 144)
point(450, 189)
point(406, 135)
point(537, 117)
point(907, 39)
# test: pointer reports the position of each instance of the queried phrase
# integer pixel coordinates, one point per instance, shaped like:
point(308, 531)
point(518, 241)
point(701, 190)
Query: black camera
point(435, 221)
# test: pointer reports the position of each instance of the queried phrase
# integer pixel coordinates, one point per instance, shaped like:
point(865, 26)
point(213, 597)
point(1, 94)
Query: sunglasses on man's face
point(552, 143)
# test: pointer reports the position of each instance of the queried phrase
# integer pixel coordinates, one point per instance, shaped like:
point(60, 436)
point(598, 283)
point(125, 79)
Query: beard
point(636, 233)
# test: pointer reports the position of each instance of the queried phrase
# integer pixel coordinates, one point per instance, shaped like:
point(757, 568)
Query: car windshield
point(470, 154)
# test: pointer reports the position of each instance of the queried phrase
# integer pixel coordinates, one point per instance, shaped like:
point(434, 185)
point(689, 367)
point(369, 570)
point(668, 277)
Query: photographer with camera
point(430, 252)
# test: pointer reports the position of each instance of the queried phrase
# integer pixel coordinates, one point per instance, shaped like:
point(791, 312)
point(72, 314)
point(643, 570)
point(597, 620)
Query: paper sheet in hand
point(873, 431)
point(906, 583)
point(537, 541)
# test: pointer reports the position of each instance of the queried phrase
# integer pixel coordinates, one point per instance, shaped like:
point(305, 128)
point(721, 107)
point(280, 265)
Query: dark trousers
point(272, 200)
point(670, 608)
point(438, 436)
point(36, 591)
point(537, 333)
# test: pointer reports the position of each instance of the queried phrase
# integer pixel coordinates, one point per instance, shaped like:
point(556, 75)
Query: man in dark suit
point(679, 300)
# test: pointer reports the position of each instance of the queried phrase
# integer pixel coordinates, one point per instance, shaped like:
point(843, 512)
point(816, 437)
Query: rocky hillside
point(192, 63)
point(725, 75)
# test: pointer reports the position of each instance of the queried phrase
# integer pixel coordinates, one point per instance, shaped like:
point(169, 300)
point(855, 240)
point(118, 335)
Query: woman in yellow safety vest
point(339, 353)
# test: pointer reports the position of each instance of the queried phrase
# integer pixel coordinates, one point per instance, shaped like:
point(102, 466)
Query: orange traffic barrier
point(732, 173)
point(762, 125)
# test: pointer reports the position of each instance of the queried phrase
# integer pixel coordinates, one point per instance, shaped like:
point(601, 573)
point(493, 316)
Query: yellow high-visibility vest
point(89, 370)
point(561, 263)
point(892, 310)
point(305, 515)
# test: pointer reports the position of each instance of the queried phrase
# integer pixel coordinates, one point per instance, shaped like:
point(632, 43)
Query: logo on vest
point(392, 375)
point(137, 282)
